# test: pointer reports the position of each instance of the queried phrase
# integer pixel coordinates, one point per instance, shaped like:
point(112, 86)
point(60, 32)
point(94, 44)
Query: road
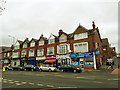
point(36, 79)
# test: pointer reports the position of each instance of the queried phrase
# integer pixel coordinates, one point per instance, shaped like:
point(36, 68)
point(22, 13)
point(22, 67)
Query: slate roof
point(20, 41)
point(80, 29)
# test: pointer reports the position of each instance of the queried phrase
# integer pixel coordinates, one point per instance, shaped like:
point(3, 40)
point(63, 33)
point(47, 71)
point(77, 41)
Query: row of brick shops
point(83, 60)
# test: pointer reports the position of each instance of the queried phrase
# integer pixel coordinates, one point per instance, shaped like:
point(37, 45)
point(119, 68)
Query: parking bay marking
point(31, 83)
point(50, 86)
point(16, 81)
point(40, 84)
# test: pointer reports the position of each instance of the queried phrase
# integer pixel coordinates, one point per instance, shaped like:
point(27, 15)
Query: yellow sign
point(3, 69)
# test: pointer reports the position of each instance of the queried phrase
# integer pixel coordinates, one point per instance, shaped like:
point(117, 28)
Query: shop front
point(63, 59)
point(51, 60)
point(15, 62)
point(6, 62)
point(84, 60)
point(40, 60)
point(32, 61)
point(23, 61)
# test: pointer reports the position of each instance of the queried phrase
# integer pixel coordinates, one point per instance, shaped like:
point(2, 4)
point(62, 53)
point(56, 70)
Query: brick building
point(82, 48)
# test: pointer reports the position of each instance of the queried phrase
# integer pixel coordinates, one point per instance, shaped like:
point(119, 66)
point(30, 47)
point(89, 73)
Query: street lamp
point(12, 37)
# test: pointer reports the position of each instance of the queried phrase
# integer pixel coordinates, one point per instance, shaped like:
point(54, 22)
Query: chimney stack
point(93, 25)
point(60, 32)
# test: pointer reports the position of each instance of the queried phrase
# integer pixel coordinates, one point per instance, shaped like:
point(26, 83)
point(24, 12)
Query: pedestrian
point(118, 66)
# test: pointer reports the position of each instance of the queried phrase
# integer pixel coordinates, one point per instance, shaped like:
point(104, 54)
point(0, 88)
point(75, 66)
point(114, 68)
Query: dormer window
point(51, 41)
point(17, 47)
point(25, 45)
point(63, 39)
point(80, 36)
point(32, 44)
point(41, 43)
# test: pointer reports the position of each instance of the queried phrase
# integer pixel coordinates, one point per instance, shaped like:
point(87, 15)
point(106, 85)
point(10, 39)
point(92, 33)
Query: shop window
point(40, 52)
point(50, 51)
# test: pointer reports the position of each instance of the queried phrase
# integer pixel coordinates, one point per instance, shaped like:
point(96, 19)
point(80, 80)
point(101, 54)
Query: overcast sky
point(31, 18)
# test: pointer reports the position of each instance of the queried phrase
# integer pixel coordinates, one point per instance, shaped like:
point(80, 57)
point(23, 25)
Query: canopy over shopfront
point(50, 61)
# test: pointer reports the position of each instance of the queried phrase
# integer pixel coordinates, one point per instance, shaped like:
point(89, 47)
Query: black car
point(18, 68)
point(69, 68)
point(30, 68)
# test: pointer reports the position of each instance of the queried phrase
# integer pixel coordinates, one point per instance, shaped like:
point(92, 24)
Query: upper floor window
point(80, 36)
point(40, 52)
point(17, 47)
point(104, 49)
point(15, 54)
point(4, 55)
point(31, 52)
point(62, 49)
point(81, 47)
point(63, 39)
point(8, 54)
point(41, 43)
point(50, 51)
point(51, 41)
point(25, 45)
point(32, 44)
point(23, 54)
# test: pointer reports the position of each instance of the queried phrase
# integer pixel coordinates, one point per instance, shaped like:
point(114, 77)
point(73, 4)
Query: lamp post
point(13, 38)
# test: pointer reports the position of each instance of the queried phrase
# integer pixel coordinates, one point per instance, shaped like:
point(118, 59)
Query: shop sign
point(79, 55)
point(50, 57)
point(73, 55)
point(76, 63)
point(40, 58)
point(97, 53)
point(31, 58)
point(62, 56)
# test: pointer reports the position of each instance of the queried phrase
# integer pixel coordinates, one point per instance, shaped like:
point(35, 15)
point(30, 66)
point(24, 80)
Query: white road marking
point(23, 82)
point(11, 82)
point(4, 81)
point(50, 86)
point(31, 83)
point(98, 82)
point(40, 84)
point(79, 77)
point(16, 81)
point(18, 84)
point(113, 79)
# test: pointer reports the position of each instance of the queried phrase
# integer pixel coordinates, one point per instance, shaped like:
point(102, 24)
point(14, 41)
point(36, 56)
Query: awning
point(50, 60)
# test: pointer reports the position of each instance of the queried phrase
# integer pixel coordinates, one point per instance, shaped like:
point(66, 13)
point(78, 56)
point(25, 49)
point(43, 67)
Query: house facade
point(82, 48)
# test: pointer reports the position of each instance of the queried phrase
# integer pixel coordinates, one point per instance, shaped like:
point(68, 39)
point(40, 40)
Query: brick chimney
point(93, 25)
point(60, 32)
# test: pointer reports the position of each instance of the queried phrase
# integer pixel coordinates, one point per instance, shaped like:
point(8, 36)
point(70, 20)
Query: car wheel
point(74, 71)
point(25, 69)
point(32, 69)
point(50, 70)
point(62, 70)
point(40, 70)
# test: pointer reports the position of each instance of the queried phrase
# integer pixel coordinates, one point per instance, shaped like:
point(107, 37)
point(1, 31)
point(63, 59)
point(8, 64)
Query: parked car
point(69, 68)
point(47, 68)
point(30, 67)
point(18, 68)
point(8, 67)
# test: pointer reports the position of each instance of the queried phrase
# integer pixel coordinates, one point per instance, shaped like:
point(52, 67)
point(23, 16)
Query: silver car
point(47, 68)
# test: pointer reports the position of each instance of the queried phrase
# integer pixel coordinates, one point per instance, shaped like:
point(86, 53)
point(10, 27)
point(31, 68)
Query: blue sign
point(79, 55)
point(31, 58)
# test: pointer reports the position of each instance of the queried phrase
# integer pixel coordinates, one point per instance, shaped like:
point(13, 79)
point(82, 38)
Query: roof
point(33, 39)
point(80, 29)
point(104, 42)
point(42, 37)
point(26, 40)
point(20, 41)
